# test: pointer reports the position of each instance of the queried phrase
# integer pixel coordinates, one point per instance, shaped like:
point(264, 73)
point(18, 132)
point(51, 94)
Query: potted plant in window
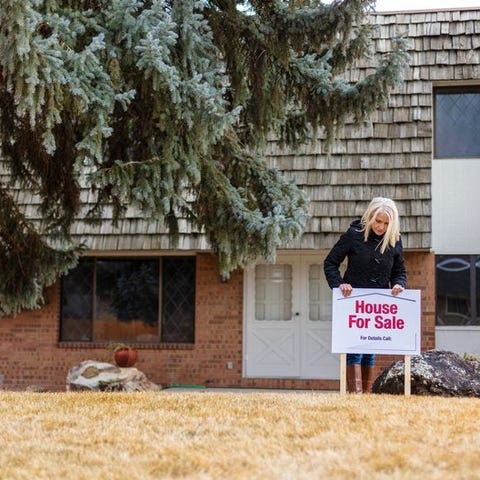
point(124, 355)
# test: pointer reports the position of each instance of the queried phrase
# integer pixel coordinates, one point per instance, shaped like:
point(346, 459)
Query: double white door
point(287, 323)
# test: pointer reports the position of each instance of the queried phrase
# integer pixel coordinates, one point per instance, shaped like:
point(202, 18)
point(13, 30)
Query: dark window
point(458, 289)
point(457, 122)
point(77, 302)
point(178, 305)
point(134, 300)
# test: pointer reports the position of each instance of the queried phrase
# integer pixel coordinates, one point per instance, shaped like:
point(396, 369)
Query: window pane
point(273, 292)
point(457, 122)
point(126, 300)
point(320, 296)
point(178, 298)
point(454, 304)
point(77, 303)
point(119, 300)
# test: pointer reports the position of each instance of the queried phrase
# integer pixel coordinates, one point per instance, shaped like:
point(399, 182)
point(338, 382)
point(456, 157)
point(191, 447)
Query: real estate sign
point(374, 321)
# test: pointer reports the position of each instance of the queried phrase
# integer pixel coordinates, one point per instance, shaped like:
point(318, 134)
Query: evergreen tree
point(167, 105)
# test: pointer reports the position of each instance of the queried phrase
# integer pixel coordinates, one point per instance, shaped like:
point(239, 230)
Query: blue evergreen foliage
point(167, 105)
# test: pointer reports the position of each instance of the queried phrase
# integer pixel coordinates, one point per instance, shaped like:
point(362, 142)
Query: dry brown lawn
point(244, 435)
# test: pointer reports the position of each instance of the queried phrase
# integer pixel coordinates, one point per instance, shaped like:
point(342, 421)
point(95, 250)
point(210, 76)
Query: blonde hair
point(388, 207)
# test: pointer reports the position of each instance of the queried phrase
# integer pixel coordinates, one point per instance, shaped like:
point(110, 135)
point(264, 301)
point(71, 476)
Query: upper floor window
point(134, 300)
point(457, 122)
point(458, 289)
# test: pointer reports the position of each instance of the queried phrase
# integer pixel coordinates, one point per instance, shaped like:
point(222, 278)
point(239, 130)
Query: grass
point(224, 435)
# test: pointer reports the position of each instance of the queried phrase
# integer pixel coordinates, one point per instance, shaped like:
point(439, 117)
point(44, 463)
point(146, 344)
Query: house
point(270, 325)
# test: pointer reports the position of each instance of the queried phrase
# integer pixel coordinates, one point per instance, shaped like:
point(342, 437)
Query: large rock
point(435, 372)
point(105, 377)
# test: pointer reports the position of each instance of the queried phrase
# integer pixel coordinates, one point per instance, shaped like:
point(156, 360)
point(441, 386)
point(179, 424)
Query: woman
point(374, 252)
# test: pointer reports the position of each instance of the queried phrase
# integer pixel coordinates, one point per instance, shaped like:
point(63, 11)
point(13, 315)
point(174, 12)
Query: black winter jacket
point(366, 267)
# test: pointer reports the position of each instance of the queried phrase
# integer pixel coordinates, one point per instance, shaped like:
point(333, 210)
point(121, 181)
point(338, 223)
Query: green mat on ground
point(179, 385)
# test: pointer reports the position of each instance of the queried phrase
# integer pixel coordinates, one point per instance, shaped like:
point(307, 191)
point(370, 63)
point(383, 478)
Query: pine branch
point(167, 105)
point(28, 263)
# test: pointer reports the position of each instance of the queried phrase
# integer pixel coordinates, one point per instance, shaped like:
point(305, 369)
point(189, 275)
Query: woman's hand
point(346, 289)
point(397, 289)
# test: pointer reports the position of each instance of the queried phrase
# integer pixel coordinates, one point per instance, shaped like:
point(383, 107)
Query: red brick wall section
point(31, 356)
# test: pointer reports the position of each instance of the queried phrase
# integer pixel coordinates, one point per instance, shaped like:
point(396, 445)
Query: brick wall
point(30, 354)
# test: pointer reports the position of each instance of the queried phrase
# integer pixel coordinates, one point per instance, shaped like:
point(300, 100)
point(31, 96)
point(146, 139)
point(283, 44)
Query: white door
point(287, 320)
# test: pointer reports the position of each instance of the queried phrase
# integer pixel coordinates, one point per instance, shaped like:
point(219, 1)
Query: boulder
point(435, 372)
point(106, 377)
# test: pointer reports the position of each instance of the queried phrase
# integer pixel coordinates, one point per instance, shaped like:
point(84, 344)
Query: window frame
point(159, 342)
point(449, 89)
point(471, 299)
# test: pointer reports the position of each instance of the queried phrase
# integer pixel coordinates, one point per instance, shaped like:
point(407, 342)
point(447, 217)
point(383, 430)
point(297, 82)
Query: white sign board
point(374, 321)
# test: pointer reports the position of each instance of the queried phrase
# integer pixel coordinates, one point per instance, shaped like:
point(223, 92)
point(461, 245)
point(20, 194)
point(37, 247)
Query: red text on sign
point(392, 323)
point(361, 306)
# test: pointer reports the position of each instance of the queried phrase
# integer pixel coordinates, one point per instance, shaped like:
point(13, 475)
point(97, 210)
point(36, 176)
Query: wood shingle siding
point(390, 155)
